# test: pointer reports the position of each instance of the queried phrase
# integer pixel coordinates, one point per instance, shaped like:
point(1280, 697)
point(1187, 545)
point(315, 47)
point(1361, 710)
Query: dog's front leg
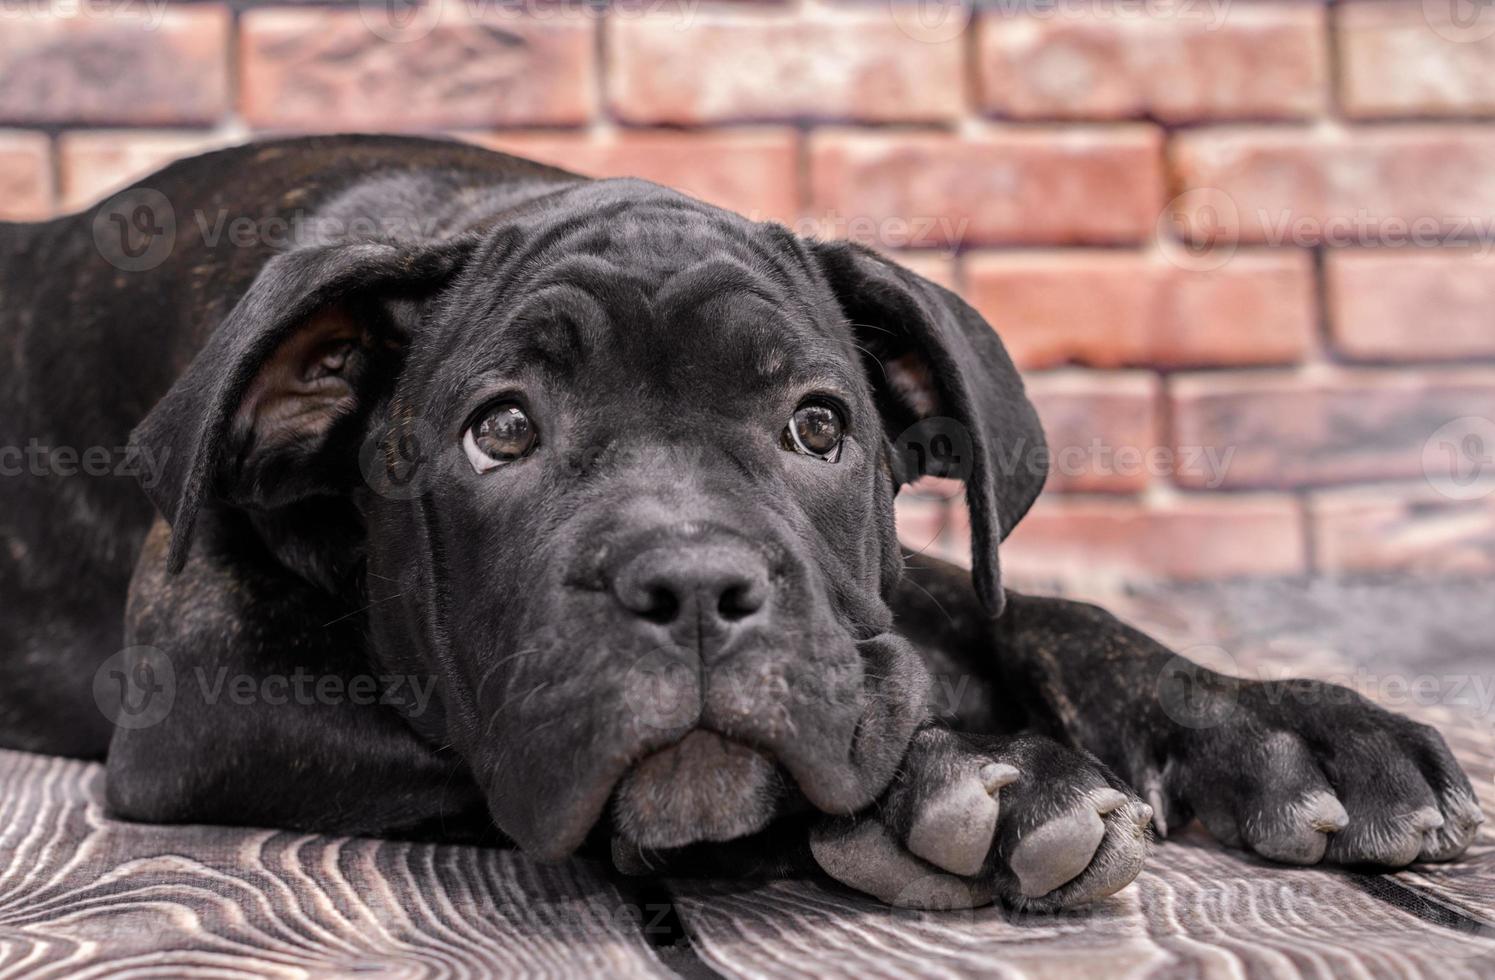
point(268, 712)
point(1298, 771)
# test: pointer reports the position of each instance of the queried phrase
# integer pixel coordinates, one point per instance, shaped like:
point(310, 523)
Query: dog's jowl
point(471, 497)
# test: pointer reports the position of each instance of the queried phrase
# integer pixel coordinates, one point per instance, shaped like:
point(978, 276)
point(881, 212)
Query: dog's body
point(494, 495)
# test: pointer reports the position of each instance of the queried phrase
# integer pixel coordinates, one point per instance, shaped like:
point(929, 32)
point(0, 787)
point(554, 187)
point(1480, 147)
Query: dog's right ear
point(276, 403)
point(936, 363)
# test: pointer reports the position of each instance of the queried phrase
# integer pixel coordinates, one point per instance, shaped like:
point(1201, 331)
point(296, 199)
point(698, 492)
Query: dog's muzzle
point(723, 686)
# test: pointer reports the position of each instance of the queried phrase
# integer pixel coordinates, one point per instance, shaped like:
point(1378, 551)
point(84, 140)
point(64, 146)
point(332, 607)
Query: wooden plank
point(802, 929)
point(1197, 910)
point(83, 896)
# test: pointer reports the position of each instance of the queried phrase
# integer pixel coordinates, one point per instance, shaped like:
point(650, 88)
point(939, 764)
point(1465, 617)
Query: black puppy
point(497, 496)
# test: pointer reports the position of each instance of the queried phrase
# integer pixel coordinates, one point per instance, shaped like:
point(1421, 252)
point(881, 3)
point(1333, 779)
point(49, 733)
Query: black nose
point(706, 586)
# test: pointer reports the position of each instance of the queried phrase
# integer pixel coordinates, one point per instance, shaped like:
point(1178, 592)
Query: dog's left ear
point(274, 406)
point(952, 402)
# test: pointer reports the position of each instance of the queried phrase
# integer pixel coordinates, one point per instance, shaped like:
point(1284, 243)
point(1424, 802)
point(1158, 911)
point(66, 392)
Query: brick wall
point(1243, 247)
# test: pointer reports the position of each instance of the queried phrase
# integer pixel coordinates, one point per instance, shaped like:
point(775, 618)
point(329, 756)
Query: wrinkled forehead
point(657, 285)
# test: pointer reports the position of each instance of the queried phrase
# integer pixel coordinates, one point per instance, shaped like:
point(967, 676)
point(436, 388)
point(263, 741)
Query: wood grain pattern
point(82, 896)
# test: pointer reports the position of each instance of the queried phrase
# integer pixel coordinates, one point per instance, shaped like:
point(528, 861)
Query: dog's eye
point(501, 434)
point(815, 429)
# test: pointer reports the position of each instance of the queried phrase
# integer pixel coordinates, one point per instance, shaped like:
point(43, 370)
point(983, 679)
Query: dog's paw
point(977, 819)
point(1302, 772)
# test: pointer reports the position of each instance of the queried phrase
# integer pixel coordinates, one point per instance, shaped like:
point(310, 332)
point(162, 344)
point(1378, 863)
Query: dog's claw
point(627, 860)
point(1159, 821)
point(995, 775)
point(1446, 842)
point(1108, 800)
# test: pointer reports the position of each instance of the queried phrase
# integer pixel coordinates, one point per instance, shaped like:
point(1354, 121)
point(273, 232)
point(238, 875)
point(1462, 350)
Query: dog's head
point(624, 466)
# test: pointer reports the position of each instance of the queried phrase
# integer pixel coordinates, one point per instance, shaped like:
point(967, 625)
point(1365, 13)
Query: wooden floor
point(82, 896)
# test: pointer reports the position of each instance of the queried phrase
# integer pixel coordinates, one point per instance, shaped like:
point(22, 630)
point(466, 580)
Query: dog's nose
point(707, 586)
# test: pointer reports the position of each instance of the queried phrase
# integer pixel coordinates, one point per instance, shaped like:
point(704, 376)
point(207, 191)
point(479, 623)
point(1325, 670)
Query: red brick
point(932, 520)
point(96, 163)
point(1411, 58)
point(1320, 427)
point(315, 69)
point(1403, 529)
point(754, 172)
point(1028, 186)
point(1185, 538)
point(1111, 308)
point(1260, 60)
point(937, 267)
point(130, 67)
point(1102, 429)
point(701, 65)
point(25, 177)
point(1412, 304)
point(1375, 186)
